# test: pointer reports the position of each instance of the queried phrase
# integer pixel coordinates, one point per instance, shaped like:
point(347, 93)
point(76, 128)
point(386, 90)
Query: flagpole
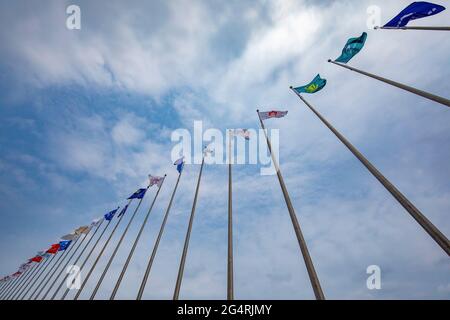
point(124, 269)
point(82, 265)
point(10, 288)
point(99, 256)
point(230, 287)
point(418, 92)
point(69, 259)
point(47, 262)
point(426, 224)
point(28, 281)
point(155, 247)
point(301, 241)
point(48, 274)
point(188, 236)
point(23, 277)
point(105, 270)
point(415, 28)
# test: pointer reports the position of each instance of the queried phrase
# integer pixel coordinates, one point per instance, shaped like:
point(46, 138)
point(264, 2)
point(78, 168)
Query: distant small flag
point(53, 249)
point(96, 222)
point(25, 266)
point(82, 229)
point(272, 114)
point(314, 86)
point(138, 194)
point(154, 180)
point(415, 10)
point(122, 212)
point(46, 255)
point(16, 274)
point(110, 214)
point(70, 236)
point(63, 245)
point(180, 164)
point(352, 47)
point(241, 132)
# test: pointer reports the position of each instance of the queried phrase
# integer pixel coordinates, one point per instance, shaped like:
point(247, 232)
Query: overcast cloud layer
point(87, 114)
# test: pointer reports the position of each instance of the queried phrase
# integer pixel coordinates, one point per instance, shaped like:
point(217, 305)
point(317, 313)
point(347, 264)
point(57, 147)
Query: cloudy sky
point(86, 114)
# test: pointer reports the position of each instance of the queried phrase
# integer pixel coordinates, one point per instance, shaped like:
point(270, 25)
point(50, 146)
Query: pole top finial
point(329, 60)
point(165, 175)
point(376, 28)
point(257, 110)
point(290, 87)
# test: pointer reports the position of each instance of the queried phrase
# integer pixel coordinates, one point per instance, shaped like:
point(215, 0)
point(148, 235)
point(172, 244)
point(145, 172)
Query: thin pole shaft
point(301, 240)
point(426, 224)
point(23, 277)
point(69, 259)
point(49, 274)
point(176, 292)
point(415, 28)
point(130, 255)
point(82, 265)
point(418, 92)
point(155, 247)
point(230, 287)
point(47, 263)
point(99, 256)
point(10, 287)
point(28, 281)
point(105, 270)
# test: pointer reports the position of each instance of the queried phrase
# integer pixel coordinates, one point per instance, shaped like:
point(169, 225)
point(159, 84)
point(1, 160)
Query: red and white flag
point(272, 114)
point(155, 180)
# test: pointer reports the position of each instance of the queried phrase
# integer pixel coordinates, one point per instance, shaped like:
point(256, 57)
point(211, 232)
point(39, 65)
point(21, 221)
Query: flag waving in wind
point(352, 47)
point(272, 114)
point(180, 164)
point(64, 244)
point(415, 10)
point(53, 249)
point(314, 86)
point(122, 212)
point(111, 214)
point(155, 180)
point(241, 132)
point(82, 229)
point(138, 194)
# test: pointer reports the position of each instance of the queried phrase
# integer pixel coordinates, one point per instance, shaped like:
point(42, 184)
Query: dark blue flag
point(63, 245)
point(138, 194)
point(122, 212)
point(415, 10)
point(111, 214)
point(180, 164)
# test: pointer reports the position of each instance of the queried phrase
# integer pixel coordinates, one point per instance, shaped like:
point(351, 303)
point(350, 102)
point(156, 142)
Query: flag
point(138, 194)
point(180, 164)
point(70, 236)
point(81, 230)
point(241, 132)
point(272, 114)
point(24, 266)
point(53, 249)
point(314, 86)
point(110, 214)
point(209, 150)
point(63, 245)
point(46, 255)
point(415, 10)
point(352, 47)
point(155, 180)
point(16, 274)
point(96, 222)
point(122, 212)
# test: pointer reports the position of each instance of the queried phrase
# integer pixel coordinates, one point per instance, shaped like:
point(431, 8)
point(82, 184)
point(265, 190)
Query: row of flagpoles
point(38, 277)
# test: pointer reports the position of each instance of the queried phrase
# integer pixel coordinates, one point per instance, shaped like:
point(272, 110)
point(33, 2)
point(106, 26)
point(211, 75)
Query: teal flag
point(314, 86)
point(353, 46)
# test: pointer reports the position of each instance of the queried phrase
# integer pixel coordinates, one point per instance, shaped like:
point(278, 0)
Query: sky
point(86, 115)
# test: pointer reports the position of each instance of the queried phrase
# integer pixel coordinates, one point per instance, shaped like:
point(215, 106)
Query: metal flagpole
point(155, 247)
point(176, 292)
point(418, 92)
point(25, 275)
point(47, 262)
point(105, 270)
point(301, 240)
point(415, 28)
point(124, 269)
point(49, 274)
point(426, 224)
point(10, 287)
point(82, 265)
point(68, 261)
point(24, 285)
point(99, 255)
point(230, 287)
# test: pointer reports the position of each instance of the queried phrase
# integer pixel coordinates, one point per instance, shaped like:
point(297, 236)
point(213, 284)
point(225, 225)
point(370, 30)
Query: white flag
point(155, 180)
point(272, 114)
point(241, 132)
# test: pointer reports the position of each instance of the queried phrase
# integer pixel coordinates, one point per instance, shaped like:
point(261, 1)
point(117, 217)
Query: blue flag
point(180, 164)
point(111, 214)
point(352, 47)
point(63, 245)
point(122, 212)
point(415, 10)
point(138, 194)
point(314, 86)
